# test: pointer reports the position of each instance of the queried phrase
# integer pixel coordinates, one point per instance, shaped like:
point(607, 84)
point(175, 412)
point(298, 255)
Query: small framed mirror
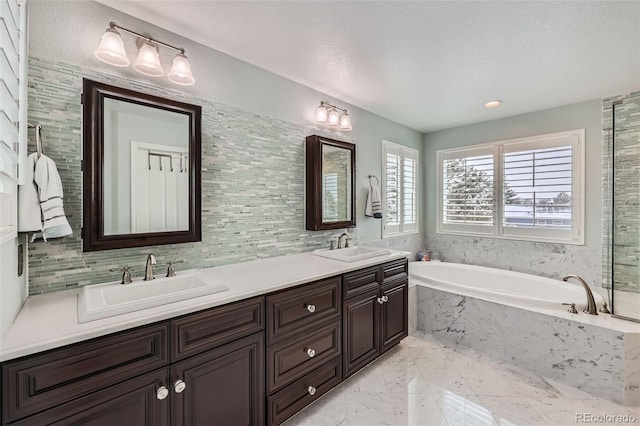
point(141, 160)
point(330, 181)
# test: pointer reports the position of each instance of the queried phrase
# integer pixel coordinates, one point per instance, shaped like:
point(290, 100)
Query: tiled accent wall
point(543, 259)
point(252, 185)
point(625, 251)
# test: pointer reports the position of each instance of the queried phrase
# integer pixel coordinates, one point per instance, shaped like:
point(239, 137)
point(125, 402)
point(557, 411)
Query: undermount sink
point(107, 300)
point(352, 254)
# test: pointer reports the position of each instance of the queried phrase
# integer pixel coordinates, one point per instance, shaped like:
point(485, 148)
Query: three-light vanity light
point(111, 51)
point(328, 114)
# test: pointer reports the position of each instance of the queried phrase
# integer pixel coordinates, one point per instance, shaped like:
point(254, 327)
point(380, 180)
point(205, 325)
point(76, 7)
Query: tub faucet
point(591, 308)
point(148, 270)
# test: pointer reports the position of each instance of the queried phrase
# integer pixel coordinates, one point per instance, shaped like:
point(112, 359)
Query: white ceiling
point(428, 65)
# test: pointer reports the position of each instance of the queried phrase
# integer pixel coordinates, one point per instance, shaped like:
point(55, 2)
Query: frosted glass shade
point(321, 115)
point(148, 62)
point(334, 118)
point(181, 71)
point(111, 49)
point(345, 122)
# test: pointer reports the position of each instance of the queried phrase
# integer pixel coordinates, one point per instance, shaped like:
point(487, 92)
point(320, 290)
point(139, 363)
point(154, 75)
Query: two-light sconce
point(111, 51)
point(328, 115)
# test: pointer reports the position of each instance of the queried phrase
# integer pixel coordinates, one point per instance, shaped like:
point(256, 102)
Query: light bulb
point(148, 62)
point(334, 118)
point(345, 122)
point(321, 114)
point(181, 71)
point(111, 49)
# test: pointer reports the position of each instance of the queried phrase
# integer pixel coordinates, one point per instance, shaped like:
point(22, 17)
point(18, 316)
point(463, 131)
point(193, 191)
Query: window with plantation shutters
point(399, 189)
point(11, 92)
point(529, 189)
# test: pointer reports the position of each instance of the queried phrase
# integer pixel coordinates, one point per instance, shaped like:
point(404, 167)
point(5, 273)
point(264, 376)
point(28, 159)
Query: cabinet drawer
point(395, 270)
point(290, 361)
point(303, 392)
point(199, 332)
point(46, 380)
point(361, 281)
point(294, 310)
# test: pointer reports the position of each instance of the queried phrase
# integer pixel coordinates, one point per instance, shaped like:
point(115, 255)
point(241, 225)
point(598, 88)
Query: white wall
point(545, 259)
point(219, 78)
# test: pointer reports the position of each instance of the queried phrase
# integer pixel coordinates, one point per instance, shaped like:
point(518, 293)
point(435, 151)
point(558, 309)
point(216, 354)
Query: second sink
point(352, 254)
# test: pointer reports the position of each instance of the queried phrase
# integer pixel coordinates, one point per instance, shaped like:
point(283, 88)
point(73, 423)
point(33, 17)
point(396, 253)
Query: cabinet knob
point(311, 390)
point(311, 308)
point(380, 300)
point(311, 353)
point(385, 298)
point(162, 392)
point(179, 386)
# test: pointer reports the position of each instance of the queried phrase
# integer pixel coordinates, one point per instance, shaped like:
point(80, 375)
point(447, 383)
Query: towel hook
point(374, 177)
point(38, 129)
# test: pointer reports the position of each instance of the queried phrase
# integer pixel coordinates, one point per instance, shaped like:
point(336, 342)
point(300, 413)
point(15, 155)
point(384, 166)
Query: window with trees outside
point(399, 189)
point(527, 189)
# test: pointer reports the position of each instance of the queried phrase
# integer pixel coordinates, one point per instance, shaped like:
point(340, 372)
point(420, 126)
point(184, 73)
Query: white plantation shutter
point(542, 187)
point(9, 116)
point(399, 189)
point(468, 190)
point(409, 194)
point(529, 188)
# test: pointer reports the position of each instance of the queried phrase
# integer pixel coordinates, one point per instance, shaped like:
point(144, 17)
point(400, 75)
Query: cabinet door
point(224, 386)
point(393, 321)
point(361, 336)
point(132, 403)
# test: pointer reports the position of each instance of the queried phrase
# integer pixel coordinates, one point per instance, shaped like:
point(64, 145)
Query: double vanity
point(272, 336)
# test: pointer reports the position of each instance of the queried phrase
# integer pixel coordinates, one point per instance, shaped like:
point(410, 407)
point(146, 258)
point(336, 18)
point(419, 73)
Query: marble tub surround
point(429, 381)
point(597, 354)
point(34, 331)
point(543, 259)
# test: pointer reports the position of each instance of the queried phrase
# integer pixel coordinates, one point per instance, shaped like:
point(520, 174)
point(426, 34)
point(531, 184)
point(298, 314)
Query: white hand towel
point(54, 221)
point(373, 207)
point(29, 213)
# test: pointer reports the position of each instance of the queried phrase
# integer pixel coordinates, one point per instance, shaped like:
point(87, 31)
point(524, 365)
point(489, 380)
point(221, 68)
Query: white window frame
point(401, 228)
point(575, 138)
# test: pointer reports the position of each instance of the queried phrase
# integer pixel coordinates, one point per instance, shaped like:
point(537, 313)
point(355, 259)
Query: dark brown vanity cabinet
point(218, 366)
point(375, 313)
point(304, 346)
point(186, 371)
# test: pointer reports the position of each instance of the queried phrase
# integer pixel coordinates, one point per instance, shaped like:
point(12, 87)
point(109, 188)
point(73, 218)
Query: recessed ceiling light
point(493, 104)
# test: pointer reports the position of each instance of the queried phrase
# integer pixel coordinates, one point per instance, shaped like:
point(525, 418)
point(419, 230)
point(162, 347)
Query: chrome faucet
point(148, 270)
point(346, 244)
point(591, 308)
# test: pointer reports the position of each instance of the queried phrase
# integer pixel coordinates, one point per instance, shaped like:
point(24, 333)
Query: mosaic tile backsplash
point(252, 186)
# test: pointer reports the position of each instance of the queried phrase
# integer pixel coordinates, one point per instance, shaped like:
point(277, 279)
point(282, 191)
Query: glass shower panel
point(626, 208)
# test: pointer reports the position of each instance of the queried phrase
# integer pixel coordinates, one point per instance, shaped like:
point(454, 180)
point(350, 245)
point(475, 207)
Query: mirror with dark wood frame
point(330, 182)
point(141, 164)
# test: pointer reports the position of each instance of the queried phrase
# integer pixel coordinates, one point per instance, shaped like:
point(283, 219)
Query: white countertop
point(51, 320)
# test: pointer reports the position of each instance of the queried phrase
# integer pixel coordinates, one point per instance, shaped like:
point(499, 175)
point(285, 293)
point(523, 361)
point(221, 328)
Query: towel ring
point(374, 177)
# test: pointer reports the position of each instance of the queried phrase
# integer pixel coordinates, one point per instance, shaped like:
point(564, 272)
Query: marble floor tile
point(423, 381)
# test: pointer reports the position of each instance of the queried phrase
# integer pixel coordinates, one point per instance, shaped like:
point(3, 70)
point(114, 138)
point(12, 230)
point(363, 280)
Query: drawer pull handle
point(311, 308)
point(311, 353)
point(311, 390)
point(179, 386)
point(162, 393)
point(385, 298)
point(380, 300)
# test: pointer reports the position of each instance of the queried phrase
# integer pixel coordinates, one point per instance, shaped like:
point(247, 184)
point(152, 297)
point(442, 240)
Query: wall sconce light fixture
point(328, 114)
point(111, 50)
